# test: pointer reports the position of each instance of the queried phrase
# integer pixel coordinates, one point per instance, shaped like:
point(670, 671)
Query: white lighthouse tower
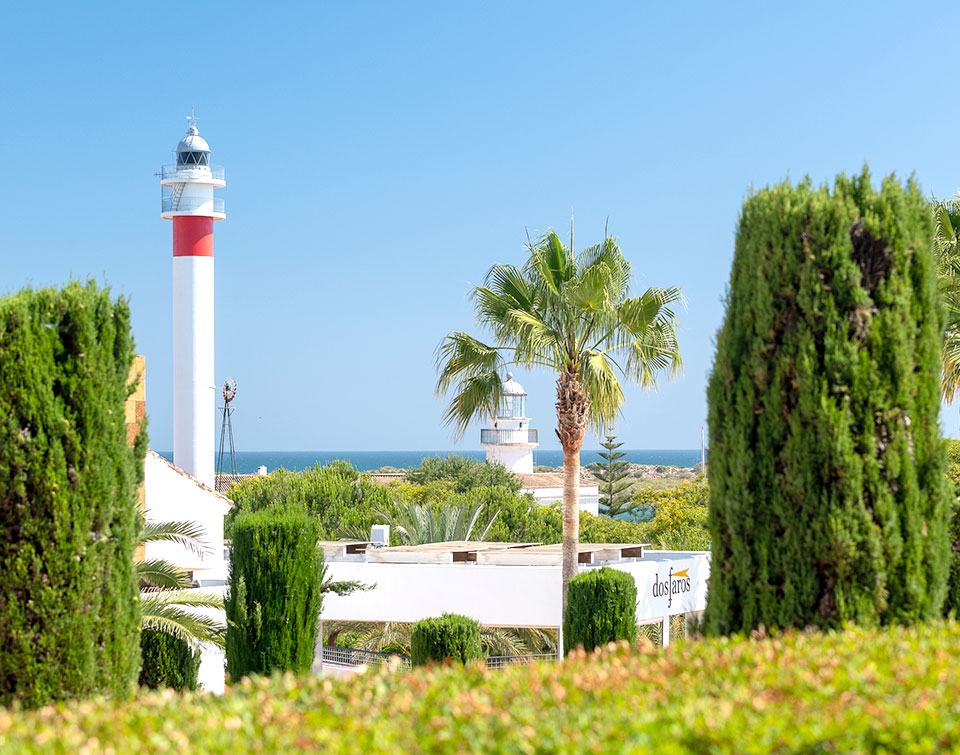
point(509, 439)
point(187, 199)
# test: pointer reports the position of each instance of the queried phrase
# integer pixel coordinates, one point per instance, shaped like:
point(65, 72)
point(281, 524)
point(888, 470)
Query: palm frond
point(476, 397)
point(190, 535)
point(166, 611)
point(160, 573)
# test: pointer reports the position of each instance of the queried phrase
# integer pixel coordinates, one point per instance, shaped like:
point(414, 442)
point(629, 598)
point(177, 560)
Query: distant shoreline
point(248, 461)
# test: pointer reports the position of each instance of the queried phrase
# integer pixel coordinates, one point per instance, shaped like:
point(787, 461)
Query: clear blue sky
point(381, 156)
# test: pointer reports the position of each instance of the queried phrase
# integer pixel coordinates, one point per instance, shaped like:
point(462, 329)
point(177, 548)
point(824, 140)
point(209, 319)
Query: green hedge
point(448, 637)
point(274, 596)
point(335, 494)
point(891, 690)
point(69, 613)
point(601, 608)
point(168, 661)
point(828, 500)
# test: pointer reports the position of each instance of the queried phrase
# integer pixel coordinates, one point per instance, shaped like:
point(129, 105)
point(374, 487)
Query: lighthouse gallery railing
point(507, 436)
point(214, 171)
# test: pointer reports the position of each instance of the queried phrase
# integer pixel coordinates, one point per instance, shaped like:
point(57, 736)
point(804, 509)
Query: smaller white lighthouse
point(509, 439)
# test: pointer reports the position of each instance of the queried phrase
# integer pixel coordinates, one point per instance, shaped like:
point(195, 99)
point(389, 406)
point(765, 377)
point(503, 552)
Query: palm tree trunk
point(571, 516)
point(573, 411)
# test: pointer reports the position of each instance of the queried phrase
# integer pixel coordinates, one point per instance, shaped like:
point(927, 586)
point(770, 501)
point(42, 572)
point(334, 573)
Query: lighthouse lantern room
point(187, 199)
point(509, 439)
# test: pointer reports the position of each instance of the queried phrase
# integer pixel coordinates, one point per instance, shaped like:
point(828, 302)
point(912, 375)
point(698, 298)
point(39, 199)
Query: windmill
point(226, 429)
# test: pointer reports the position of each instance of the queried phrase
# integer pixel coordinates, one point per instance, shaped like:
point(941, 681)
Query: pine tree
point(612, 473)
point(828, 501)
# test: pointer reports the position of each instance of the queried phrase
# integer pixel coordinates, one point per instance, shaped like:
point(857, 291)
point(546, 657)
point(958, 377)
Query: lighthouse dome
point(511, 387)
point(193, 149)
point(193, 142)
point(514, 399)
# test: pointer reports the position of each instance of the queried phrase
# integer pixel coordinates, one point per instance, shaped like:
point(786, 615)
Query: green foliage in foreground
point(601, 608)
point(828, 501)
point(168, 661)
point(890, 690)
point(450, 637)
point(275, 592)
point(69, 616)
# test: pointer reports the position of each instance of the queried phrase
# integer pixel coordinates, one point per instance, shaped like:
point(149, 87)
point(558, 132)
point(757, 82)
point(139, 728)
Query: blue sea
point(248, 461)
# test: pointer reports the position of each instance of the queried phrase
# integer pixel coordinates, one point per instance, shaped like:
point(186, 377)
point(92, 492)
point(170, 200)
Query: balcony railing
point(189, 204)
point(357, 657)
point(170, 171)
point(504, 661)
point(507, 437)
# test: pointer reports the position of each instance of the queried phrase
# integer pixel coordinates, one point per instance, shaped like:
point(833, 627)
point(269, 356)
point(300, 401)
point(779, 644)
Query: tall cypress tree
point(69, 610)
point(275, 592)
point(612, 474)
point(828, 500)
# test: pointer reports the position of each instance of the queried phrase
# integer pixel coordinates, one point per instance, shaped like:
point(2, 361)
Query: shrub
point(336, 495)
point(168, 661)
point(828, 500)
point(687, 494)
point(857, 690)
point(450, 637)
point(69, 617)
point(274, 597)
point(601, 608)
point(464, 473)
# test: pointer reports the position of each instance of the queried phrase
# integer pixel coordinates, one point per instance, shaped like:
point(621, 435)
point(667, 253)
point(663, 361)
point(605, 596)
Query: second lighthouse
point(187, 199)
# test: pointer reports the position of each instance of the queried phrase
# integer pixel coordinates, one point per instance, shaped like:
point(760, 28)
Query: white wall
point(505, 595)
point(516, 458)
point(589, 497)
point(171, 496)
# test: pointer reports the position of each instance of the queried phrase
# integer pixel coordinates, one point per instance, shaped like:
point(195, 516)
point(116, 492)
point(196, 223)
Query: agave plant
point(416, 524)
point(166, 603)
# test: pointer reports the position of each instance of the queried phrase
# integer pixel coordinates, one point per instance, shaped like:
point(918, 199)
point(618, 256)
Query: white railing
point(170, 171)
point(503, 661)
point(357, 657)
point(189, 204)
point(507, 437)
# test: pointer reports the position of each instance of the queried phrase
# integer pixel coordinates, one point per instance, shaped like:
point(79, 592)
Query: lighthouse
point(187, 199)
point(509, 439)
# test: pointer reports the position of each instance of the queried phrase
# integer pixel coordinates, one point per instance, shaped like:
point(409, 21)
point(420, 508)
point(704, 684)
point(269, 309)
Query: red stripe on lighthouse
point(192, 236)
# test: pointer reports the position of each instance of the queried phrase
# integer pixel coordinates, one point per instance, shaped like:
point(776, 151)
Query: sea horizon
point(365, 461)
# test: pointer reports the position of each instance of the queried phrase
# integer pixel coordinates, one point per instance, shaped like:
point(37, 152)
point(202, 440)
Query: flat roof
point(439, 553)
point(512, 554)
point(551, 555)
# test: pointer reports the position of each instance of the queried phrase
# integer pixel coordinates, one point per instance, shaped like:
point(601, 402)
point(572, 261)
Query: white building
point(171, 495)
point(510, 441)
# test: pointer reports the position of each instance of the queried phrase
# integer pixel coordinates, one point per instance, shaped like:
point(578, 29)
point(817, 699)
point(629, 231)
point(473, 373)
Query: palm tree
point(166, 605)
point(571, 315)
point(947, 248)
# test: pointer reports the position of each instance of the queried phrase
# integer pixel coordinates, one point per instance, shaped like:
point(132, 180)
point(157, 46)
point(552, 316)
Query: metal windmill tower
point(226, 430)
